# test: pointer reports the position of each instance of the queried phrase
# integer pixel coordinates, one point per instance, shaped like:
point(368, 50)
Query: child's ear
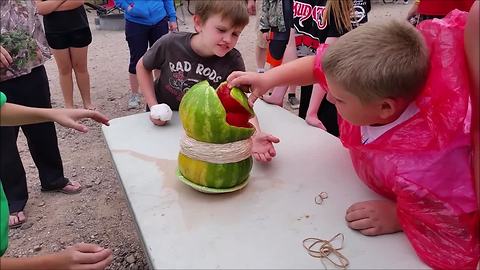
point(388, 108)
point(197, 23)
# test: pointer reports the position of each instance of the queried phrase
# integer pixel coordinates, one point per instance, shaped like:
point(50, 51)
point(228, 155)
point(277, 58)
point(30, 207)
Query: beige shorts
point(261, 42)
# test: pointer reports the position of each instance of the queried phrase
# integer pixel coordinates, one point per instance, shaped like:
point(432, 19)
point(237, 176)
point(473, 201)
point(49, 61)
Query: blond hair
point(342, 11)
point(233, 10)
point(388, 60)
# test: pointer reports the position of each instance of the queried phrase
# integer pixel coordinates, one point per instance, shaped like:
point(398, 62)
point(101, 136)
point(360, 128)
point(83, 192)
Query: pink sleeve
point(317, 67)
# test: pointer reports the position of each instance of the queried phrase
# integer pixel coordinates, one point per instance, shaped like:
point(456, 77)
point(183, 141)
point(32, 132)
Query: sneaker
point(293, 102)
point(134, 101)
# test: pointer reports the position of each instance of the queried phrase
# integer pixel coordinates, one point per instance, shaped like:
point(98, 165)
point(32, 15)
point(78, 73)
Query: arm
point(473, 54)
point(14, 115)
point(145, 82)
point(297, 72)
point(251, 7)
point(171, 13)
point(264, 23)
point(413, 10)
point(262, 148)
point(170, 9)
point(49, 6)
point(70, 4)
point(79, 256)
point(122, 4)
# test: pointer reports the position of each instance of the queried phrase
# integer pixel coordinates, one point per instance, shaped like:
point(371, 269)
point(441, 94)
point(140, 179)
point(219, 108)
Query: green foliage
point(21, 46)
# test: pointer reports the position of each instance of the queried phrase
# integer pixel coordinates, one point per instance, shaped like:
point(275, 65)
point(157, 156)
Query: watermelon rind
point(214, 175)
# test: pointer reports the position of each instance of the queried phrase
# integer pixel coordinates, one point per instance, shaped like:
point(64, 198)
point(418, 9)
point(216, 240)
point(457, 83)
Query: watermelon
point(204, 117)
point(218, 117)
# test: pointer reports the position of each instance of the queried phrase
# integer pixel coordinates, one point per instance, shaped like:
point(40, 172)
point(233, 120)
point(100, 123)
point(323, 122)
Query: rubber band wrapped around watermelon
point(216, 152)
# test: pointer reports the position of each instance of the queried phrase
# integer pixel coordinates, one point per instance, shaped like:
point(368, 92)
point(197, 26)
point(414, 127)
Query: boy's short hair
point(388, 60)
point(233, 10)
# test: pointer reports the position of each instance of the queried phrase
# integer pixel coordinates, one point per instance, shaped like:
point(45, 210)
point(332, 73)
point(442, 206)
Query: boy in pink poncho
point(405, 119)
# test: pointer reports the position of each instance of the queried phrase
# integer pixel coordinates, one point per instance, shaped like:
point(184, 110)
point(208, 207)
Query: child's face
point(352, 109)
point(217, 34)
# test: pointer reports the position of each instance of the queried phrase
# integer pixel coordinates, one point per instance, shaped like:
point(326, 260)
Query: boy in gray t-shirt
point(181, 67)
point(184, 59)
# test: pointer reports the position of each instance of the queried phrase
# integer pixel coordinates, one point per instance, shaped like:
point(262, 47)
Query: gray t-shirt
point(181, 67)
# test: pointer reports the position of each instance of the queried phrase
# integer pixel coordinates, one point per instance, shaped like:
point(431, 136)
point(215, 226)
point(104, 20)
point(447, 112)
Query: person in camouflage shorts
point(24, 81)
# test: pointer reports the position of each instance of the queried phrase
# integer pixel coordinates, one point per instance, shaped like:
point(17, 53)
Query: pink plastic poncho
point(424, 164)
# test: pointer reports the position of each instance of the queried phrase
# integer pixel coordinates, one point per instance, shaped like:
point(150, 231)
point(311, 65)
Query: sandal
point(17, 222)
point(72, 187)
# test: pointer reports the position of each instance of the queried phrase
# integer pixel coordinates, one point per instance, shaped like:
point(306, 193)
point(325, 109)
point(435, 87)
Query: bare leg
point(373, 217)
point(278, 92)
point(315, 101)
point(290, 55)
point(277, 95)
point(64, 65)
point(80, 67)
point(133, 82)
point(261, 57)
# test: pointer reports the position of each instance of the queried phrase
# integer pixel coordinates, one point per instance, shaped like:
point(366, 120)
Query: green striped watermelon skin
point(204, 117)
point(212, 175)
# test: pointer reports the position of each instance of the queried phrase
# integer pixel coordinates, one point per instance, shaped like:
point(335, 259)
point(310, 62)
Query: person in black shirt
point(327, 20)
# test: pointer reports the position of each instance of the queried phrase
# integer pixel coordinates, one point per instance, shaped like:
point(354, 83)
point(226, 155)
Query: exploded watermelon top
point(216, 116)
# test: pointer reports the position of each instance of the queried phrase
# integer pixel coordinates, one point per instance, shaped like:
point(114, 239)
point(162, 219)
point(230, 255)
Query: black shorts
point(75, 39)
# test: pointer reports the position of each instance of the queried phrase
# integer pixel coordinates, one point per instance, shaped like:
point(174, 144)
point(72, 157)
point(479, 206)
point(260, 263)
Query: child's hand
point(172, 26)
point(263, 149)
point(266, 36)
point(83, 256)
point(157, 122)
point(373, 217)
point(256, 82)
point(5, 58)
point(252, 10)
point(69, 117)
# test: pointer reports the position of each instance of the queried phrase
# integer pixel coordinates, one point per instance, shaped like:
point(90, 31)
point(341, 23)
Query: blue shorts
point(139, 37)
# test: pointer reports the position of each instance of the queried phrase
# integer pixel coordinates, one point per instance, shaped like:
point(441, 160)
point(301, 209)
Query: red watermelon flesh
point(237, 115)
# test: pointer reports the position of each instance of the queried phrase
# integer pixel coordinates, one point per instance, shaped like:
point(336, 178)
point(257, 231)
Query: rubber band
point(324, 249)
point(320, 197)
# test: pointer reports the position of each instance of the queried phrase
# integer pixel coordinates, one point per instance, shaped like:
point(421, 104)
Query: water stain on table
point(189, 200)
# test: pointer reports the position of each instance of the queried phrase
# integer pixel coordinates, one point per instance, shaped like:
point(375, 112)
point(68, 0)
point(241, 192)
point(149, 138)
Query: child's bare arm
point(70, 4)
point(145, 83)
point(13, 115)
point(298, 72)
point(79, 256)
point(49, 6)
point(473, 53)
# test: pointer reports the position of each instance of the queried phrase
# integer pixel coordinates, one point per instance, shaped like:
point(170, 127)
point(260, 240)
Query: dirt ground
point(100, 213)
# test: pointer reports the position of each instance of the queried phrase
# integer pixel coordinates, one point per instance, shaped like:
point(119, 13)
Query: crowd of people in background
point(368, 84)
